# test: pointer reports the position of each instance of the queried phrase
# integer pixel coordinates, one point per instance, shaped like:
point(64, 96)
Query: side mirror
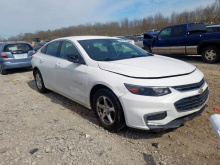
point(75, 59)
point(155, 37)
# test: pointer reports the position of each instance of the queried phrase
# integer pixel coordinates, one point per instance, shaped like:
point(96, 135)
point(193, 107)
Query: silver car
point(15, 55)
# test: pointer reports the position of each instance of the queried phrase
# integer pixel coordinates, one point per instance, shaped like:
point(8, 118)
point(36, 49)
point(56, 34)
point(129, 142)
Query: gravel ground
point(51, 129)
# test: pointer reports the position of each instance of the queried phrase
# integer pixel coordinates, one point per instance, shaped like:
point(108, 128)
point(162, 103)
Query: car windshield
point(111, 49)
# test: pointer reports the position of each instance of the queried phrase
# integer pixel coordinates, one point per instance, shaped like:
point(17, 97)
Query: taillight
point(3, 55)
point(33, 54)
point(41, 46)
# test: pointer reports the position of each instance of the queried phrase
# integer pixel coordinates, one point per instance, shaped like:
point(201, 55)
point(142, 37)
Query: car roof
point(78, 38)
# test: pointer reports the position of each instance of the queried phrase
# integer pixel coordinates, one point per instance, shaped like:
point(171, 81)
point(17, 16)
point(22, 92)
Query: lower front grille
point(192, 102)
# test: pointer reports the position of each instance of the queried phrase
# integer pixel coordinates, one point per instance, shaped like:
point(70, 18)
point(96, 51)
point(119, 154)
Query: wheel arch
point(97, 87)
point(34, 70)
point(206, 44)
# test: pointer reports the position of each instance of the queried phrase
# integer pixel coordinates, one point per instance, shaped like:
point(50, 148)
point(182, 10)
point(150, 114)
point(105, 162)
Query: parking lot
point(51, 129)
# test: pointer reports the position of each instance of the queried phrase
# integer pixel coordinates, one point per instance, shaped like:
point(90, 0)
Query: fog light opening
point(156, 116)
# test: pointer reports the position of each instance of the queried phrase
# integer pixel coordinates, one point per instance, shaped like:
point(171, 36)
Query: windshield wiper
point(106, 59)
point(135, 56)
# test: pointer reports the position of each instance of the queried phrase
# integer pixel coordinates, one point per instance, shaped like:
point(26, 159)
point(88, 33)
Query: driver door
point(161, 44)
point(71, 77)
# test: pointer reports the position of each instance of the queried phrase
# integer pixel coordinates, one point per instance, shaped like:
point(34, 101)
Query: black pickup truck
point(189, 39)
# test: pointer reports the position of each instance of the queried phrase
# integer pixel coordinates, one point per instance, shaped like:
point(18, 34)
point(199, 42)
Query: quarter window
point(43, 50)
point(165, 33)
point(52, 48)
point(68, 48)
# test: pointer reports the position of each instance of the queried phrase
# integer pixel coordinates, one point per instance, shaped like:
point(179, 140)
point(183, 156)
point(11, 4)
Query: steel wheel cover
point(38, 81)
point(210, 54)
point(105, 110)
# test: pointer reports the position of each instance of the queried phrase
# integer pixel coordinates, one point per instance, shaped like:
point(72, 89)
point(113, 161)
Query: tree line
point(209, 15)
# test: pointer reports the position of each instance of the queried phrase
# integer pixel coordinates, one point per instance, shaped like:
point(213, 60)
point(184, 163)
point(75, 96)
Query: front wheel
point(108, 110)
point(39, 82)
point(211, 54)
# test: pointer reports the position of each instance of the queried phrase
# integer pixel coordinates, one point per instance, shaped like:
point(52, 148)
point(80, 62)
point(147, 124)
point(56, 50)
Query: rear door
point(195, 35)
point(161, 45)
point(47, 64)
point(178, 39)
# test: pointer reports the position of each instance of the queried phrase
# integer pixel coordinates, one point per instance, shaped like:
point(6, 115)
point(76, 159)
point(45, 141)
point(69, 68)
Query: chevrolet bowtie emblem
point(201, 91)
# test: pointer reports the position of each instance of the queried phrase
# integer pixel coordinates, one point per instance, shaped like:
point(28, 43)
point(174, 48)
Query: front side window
point(52, 48)
point(68, 48)
point(165, 33)
point(111, 49)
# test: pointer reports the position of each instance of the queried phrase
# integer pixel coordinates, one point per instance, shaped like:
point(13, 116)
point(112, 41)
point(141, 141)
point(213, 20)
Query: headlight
point(148, 91)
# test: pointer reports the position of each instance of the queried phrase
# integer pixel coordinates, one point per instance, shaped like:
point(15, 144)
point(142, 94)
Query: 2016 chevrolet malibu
point(122, 83)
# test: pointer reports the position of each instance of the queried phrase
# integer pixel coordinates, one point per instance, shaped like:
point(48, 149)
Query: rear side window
point(52, 48)
point(17, 47)
point(178, 31)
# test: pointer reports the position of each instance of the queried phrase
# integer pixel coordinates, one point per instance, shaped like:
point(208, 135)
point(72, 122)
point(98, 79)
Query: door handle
point(58, 65)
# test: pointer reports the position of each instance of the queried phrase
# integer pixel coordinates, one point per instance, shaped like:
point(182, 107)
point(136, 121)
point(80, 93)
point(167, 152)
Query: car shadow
point(89, 115)
point(19, 70)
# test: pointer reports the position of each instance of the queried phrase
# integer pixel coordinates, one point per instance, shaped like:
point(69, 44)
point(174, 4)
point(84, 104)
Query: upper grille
point(189, 86)
point(192, 102)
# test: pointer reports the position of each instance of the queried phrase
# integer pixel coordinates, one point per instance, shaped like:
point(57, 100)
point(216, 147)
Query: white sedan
point(122, 83)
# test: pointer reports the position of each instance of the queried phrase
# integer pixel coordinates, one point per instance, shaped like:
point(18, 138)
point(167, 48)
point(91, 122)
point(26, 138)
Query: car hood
point(148, 67)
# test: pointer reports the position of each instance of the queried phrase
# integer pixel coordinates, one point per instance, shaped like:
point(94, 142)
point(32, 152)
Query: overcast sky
point(22, 16)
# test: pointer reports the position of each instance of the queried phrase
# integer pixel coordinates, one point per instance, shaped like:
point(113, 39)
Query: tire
point(39, 82)
point(148, 49)
point(3, 72)
point(108, 110)
point(211, 54)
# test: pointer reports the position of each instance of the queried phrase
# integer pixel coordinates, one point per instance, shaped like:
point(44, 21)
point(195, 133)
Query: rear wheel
point(108, 110)
point(211, 54)
point(3, 72)
point(39, 82)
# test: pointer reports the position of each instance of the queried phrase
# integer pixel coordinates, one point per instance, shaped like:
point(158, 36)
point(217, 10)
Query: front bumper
point(178, 122)
point(137, 107)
